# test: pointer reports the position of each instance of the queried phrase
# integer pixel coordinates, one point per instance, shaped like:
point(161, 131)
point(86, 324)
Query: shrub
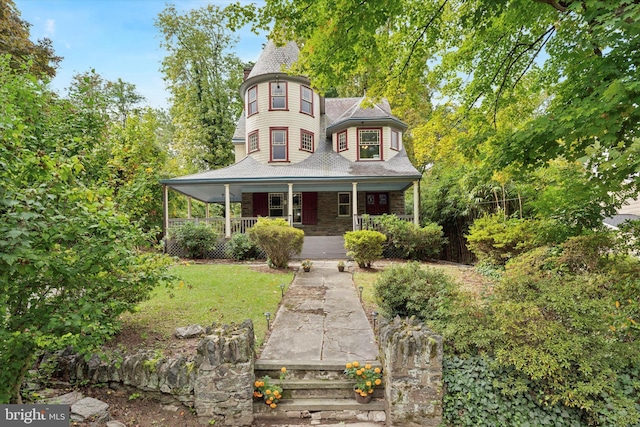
point(277, 239)
point(559, 326)
point(196, 239)
point(410, 290)
point(413, 242)
point(364, 246)
point(496, 240)
point(240, 247)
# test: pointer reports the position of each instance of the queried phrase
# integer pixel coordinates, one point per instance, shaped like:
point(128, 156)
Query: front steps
point(317, 391)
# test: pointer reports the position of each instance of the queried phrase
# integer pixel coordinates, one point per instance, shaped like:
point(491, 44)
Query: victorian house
point(321, 163)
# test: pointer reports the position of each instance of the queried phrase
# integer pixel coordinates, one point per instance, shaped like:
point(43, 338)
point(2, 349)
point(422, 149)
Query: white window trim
point(343, 204)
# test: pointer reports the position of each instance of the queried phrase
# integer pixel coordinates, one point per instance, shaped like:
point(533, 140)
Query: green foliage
point(556, 308)
point(69, 263)
point(277, 239)
point(407, 290)
point(496, 239)
point(240, 247)
point(477, 396)
point(414, 242)
point(196, 239)
point(203, 75)
point(364, 246)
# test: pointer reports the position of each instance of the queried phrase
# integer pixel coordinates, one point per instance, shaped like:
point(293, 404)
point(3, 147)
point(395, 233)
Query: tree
point(582, 55)
point(69, 263)
point(203, 78)
point(39, 58)
point(122, 97)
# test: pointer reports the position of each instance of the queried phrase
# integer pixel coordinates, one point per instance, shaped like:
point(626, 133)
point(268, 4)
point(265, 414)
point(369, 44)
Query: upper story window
point(306, 141)
point(369, 144)
point(279, 144)
point(252, 98)
point(253, 142)
point(278, 95)
point(395, 140)
point(306, 100)
point(342, 141)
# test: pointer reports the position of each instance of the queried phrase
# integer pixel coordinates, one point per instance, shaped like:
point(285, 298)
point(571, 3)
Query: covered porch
point(321, 208)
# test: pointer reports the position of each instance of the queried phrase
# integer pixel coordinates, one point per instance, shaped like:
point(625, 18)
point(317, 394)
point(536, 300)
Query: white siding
point(292, 119)
point(631, 207)
point(352, 143)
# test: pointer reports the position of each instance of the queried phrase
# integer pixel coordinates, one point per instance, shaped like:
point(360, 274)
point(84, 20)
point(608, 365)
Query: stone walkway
point(321, 318)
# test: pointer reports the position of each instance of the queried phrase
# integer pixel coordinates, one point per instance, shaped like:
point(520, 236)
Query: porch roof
point(324, 170)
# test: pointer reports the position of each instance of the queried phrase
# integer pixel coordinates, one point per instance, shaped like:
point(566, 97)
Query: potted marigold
point(367, 378)
point(271, 393)
point(341, 266)
point(306, 265)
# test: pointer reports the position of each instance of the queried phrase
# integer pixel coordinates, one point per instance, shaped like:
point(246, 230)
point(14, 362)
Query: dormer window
point(369, 144)
point(278, 95)
point(342, 141)
point(306, 100)
point(395, 140)
point(252, 104)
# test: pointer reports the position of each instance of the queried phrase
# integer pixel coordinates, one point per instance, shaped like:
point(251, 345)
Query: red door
point(377, 203)
point(310, 208)
point(260, 204)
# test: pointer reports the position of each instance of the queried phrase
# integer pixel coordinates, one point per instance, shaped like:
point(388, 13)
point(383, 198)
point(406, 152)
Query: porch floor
point(323, 247)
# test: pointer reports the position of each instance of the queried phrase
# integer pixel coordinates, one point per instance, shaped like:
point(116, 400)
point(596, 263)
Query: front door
point(377, 203)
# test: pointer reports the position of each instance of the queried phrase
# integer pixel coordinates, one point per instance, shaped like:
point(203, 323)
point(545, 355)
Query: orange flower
point(376, 370)
point(267, 391)
point(359, 372)
point(368, 383)
point(378, 381)
point(371, 391)
point(367, 366)
point(268, 401)
point(273, 406)
point(356, 364)
point(363, 393)
point(257, 384)
point(349, 365)
point(283, 370)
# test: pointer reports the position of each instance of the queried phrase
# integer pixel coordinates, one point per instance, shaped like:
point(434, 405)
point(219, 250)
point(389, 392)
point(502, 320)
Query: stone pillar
point(412, 363)
point(223, 391)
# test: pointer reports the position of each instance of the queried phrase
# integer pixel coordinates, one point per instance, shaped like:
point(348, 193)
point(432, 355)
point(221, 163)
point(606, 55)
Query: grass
point(223, 293)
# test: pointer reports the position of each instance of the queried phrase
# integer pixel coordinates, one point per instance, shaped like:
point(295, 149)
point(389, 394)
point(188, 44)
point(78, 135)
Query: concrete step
point(315, 369)
point(322, 410)
point(317, 390)
point(325, 389)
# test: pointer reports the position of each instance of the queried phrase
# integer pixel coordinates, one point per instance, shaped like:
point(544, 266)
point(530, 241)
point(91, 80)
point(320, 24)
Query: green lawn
point(223, 293)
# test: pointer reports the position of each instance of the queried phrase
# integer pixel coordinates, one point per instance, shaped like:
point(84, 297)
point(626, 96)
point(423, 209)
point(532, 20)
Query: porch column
point(290, 204)
point(165, 211)
point(189, 207)
point(416, 203)
point(354, 203)
point(206, 210)
point(227, 211)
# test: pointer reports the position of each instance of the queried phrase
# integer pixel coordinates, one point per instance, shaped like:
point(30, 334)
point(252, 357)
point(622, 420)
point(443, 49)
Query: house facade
point(320, 163)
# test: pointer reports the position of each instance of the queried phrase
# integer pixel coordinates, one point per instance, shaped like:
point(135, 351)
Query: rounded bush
point(241, 248)
point(410, 290)
point(364, 246)
point(196, 239)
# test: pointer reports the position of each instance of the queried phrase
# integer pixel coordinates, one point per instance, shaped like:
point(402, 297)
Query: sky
point(116, 38)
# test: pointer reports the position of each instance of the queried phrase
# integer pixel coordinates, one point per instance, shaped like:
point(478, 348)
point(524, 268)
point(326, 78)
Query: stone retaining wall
point(412, 362)
point(217, 382)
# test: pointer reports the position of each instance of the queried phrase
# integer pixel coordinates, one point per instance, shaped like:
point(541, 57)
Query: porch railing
point(367, 222)
point(238, 225)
